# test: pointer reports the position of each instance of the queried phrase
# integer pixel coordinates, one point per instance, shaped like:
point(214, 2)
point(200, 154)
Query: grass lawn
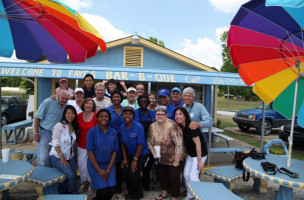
point(235, 105)
point(226, 121)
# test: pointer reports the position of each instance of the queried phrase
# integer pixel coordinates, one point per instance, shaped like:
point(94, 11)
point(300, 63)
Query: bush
point(218, 123)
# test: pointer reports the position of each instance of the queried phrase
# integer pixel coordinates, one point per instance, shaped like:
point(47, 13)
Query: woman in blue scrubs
point(135, 152)
point(115, 122)
point(102, 145)
point(146, 117)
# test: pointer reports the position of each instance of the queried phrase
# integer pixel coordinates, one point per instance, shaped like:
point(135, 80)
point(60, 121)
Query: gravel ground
point(26, 191)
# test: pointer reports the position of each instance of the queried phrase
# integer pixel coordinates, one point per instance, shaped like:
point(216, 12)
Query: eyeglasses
point(160, 114)
point(139, 88)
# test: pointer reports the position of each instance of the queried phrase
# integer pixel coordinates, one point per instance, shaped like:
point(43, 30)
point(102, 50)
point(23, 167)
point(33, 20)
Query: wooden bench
point(12, 128)
point(227, 175)
point(211, 191)
point(47, 180)
point(65, 197)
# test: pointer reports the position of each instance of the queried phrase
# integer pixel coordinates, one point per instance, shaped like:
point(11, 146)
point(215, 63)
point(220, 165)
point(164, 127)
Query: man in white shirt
point(79, 94)
point(100, 100)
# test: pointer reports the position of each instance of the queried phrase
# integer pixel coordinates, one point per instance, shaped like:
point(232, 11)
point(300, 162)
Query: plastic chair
point(275, 141)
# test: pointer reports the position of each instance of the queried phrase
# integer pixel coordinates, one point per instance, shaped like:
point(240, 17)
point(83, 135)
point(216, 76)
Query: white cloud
point(219, 31)
point(105, 28)
point(77, 4)
point(11, 59)
point(203, 50)
point(227, 6)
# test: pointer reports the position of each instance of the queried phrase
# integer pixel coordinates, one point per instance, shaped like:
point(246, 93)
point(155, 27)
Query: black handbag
point(239, 157)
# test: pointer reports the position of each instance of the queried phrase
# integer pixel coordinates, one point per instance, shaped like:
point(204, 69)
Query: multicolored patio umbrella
point(266, 43)
point(34, 28)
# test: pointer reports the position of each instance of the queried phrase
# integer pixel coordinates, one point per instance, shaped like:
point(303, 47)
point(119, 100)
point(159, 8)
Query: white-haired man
point(198, 114)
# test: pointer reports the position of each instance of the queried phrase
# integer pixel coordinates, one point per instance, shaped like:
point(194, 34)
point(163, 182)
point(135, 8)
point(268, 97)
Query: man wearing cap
point(48, 114)
point(164, 99)
point(198, 114)
point(78, 100)
point(176, 98)
point(88, 88)
point(130, 101)
point(100, 100)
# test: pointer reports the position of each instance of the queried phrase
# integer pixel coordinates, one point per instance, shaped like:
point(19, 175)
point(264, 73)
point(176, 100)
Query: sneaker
point(90, 190)
point(82, 188)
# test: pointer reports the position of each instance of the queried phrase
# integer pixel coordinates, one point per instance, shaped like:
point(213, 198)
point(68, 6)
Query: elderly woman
point(195, 145)
point(168, 135)
point(102, 145)
point(62, 156)
point(135, 152)
point(86, 120)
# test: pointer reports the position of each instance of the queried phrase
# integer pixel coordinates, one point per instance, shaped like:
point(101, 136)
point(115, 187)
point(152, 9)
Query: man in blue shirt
point(164, 99)
point(176, 98)
point(198, 114)
point(48, 114)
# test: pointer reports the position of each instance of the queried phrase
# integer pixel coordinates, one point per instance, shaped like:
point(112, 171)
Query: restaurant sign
point(126, 74)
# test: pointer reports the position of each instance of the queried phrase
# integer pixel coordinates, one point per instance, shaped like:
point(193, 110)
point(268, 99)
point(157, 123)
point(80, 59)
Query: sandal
point(161, 197)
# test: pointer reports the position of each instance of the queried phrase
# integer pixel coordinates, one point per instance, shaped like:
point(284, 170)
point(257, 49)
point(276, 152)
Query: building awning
point(77, 71)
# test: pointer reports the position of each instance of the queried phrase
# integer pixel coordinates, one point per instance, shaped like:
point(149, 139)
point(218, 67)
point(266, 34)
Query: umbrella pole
point(210, 132)
point(0, 123)
point(290, 139)
point(263, 128)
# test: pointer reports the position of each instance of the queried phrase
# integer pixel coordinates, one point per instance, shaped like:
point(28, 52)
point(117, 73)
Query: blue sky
point(191, 27)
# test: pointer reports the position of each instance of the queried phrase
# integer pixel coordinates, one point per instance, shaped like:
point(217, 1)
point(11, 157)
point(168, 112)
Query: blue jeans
point(43, 148)
point(70, 172)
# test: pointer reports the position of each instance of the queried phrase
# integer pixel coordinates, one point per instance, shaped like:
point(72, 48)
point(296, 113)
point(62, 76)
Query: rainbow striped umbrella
point(266, 43)
point(34, 28)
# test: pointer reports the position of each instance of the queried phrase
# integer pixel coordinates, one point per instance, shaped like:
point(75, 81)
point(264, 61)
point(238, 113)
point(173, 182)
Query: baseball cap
point(63, 79)
point(176, 89)
point(164, 92)
point(78, 90)
point(128, 108)
point(131, 89)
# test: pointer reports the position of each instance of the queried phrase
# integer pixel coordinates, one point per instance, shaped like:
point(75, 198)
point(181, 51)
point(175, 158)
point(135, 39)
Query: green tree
point(228, 66)
point(156, 41)
point(18, 82)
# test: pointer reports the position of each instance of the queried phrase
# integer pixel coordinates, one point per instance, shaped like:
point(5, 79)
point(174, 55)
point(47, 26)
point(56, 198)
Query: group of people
point(116, 138)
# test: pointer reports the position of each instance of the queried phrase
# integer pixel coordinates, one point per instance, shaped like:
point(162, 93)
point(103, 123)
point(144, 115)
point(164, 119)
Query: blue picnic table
point(12, 128)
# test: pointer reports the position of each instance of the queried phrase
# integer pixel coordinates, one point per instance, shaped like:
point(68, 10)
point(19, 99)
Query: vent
point(133, 57)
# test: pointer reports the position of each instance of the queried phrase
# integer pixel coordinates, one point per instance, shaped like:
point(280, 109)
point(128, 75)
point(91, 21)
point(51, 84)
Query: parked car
point(12, 108)
point(298, 133)
point(253, 118)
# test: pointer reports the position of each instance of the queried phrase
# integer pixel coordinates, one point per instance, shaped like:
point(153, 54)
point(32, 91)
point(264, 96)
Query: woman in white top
point(62, 156)
point(64, 85)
